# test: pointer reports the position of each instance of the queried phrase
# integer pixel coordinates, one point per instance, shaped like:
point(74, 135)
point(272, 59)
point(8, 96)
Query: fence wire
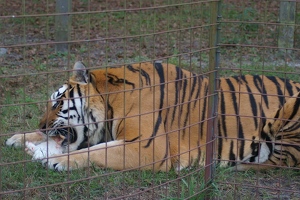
point(40, 41)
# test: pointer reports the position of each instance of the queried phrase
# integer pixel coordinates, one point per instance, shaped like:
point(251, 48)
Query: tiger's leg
point(118, 155)
point(255, 166)
point(18, 140)
point(140, 147)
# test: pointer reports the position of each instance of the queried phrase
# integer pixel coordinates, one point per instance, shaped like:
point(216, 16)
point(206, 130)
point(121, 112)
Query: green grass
point(270, 184)
point(92, 182)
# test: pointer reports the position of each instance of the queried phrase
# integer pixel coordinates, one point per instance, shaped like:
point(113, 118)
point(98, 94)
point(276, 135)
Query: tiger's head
point(281, 134)
point(76, 112)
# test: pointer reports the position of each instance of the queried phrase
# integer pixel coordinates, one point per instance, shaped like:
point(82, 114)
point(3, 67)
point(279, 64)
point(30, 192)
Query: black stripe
point(58, 95)
point(166, 154)
point(292, 137)
point(130, 68)
point(69, 133)
point(178, 82)
point(292, 128)
point(93, 119)
point(220, 142)
point(252, 102)
point(109, 122)
point(85, 130)
point(223, 112)
point(288, 86)
point(184, 93)
point(294, 112)
point(84, 143)
point(107, 128)
point(231, 155)
point(134, 139)
point(203, 110)
point(71, 93)
point(198, 90)
point(66, 118)
point(273, 162)
point(295, 107)
point(240, 128)
point(261, 88)
point(189, 103)
point(80, 95)
point(183, 99)
point(277, 113)
point(115, 80)
point(237, 79)
point(142, 72)
point(265, 137)
point(278, 152)
point(146, 76)
point(281, 98)
point(292, 156)
point(160, 72)
point(263, 116)
point(253, 107)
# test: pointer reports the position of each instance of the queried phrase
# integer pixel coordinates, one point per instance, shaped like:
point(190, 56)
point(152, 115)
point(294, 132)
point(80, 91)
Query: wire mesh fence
point(252, 43)
point(40, 41)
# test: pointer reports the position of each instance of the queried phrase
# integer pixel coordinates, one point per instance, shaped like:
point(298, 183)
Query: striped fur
point(154, 116)
point(282, 131)
point(245, 102)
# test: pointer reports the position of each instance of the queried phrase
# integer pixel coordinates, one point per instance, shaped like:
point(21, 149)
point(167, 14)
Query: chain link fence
point(41, 40)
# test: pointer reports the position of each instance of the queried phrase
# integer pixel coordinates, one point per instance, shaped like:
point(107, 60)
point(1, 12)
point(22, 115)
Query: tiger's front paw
point(16, 140)
point(66, 162)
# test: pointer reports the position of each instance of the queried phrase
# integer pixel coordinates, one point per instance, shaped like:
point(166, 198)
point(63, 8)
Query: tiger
point(153, 116)
point(282, 132)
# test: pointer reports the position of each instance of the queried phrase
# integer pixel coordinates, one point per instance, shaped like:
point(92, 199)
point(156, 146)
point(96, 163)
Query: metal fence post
point(212, 95)
point(287, 20)
point(62, 25)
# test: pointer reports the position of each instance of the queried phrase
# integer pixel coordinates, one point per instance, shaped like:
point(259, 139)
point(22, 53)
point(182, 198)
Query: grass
point(271, 184)
point(91, 183)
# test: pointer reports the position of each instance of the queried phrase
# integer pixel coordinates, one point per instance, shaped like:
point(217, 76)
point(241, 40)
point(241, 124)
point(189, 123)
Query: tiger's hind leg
point(254, 166)
point(18, 140)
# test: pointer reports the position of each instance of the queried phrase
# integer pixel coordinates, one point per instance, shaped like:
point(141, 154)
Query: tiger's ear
point(80, 73)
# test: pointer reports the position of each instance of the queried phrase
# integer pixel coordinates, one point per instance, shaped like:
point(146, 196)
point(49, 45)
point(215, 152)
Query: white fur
point(264, 153)
point(43, 150)
point(263, 156)
point(15, 140)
